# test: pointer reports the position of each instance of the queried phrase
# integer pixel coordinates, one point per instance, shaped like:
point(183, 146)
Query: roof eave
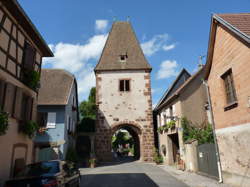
point(232, 28)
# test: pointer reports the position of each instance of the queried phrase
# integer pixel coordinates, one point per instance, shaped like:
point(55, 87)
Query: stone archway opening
point(126, 150)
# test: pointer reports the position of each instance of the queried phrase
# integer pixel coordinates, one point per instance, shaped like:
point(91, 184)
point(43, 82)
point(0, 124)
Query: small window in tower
point(123, 58)
point(124, 85)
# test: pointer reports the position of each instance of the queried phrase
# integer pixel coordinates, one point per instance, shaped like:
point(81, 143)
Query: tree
point(88, 108)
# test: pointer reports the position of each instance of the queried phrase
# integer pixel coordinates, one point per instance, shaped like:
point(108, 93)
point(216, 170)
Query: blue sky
point(173, 33)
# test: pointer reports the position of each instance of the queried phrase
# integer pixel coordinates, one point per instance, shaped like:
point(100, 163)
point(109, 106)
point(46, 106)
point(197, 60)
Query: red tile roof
point(239, 21)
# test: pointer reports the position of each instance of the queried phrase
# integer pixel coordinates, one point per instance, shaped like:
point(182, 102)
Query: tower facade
point(123, 94)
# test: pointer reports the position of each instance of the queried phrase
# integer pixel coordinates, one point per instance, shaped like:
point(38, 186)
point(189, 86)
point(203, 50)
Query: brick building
point(228, 77)
point(21, 52)
point(123, 93)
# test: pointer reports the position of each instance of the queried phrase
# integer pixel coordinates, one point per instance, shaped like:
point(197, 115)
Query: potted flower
point(3, 122)
point(160, 129)
point(171, 124)
point(92, 162)
point(157, 158)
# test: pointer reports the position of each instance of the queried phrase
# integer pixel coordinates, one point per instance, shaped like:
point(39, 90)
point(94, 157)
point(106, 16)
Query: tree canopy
point(88, 108)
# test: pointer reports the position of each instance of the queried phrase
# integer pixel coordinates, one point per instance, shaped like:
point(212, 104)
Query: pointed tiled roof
point(122, 41)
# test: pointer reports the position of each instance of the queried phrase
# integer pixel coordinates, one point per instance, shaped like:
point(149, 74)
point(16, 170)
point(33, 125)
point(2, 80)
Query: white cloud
point(168, 47)
point(101, 25)
point(167, 69)
point(76, 58)
point(155, 44)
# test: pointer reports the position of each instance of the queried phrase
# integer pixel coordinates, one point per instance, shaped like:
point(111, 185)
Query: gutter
point(213, 127)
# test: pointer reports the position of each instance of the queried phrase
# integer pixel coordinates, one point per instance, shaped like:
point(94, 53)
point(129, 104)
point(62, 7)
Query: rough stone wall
point(229, 52)
point(129, 108)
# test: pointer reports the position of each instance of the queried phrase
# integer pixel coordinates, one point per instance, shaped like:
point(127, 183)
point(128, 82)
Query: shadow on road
point(118, 161)
point(117, 180)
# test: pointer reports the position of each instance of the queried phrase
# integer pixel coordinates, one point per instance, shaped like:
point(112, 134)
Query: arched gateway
point(123, 94)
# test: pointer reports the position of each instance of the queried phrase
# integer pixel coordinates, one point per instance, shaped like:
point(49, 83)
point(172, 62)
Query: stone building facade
point(227, 74)
point(21, 52)
point(123, 94)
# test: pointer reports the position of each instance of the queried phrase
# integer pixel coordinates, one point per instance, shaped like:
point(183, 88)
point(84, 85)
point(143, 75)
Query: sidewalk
point(192, 179)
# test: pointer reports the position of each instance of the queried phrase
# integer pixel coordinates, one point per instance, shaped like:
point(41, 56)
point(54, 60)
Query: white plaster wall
point(234, 151)
point(126, 106)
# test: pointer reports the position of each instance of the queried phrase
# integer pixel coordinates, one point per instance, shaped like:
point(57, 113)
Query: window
point(29, 56)
point(27, 107)
point(229, 87)
point(51, 121)
point(124, 85)
point(123, 58)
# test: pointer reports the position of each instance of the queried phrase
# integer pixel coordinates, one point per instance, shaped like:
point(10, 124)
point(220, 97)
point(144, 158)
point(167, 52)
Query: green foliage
point(71, 155)
point(88, 108)
point(86, 125)
point(121, 138)
point(3, 122)
point(92, 161)
point(29, 128)
point(31, 78)
point(157, 157)
point(169, 125)
point(202, 135)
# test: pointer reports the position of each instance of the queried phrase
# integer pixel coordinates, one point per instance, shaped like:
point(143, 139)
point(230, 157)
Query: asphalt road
point(132, 174)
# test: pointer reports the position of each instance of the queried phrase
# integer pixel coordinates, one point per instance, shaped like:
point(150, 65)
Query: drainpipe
point(213, 127)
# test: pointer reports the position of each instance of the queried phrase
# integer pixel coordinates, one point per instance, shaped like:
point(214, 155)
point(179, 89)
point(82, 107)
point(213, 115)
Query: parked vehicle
point(54, 173)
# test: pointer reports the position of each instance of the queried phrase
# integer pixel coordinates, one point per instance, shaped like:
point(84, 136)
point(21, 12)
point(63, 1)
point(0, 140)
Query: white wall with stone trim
point(125, 106)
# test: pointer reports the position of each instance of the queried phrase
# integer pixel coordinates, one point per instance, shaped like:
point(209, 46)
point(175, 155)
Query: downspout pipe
point(213, 127)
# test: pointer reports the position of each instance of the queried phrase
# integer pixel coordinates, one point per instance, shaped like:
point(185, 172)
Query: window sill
point(231, 106)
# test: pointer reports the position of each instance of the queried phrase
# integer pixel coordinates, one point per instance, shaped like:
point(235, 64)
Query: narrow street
point(132, 174)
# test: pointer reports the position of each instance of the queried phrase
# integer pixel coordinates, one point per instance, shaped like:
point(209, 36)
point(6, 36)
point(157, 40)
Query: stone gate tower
point(123, 93)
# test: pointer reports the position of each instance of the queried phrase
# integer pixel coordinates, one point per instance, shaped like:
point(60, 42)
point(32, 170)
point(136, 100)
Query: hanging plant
point(31, 78)
point(171, 124)
point(3, 122)
point(29, 128)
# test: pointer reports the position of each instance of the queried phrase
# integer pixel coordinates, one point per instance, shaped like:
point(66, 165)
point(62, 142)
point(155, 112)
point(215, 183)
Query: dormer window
point(123, 57)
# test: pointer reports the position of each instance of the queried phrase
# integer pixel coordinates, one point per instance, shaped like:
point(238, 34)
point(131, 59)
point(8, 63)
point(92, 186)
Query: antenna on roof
point(200, 64)
point(128, 18)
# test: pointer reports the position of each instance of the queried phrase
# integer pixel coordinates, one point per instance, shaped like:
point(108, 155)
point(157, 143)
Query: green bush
point(157, 158)
point(203, 134)
point(31, 78)
point(86, 125)
point(3, 122)
point(71, 155)
point(29, 128)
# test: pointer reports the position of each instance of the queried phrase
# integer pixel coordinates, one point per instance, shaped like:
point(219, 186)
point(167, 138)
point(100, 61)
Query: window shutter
point(9, 98)
point(2, 90)
point(29, 56)
point(121, 85)
point(29, 109)
point(18, 103)
point(51, 121)
point(127, 85)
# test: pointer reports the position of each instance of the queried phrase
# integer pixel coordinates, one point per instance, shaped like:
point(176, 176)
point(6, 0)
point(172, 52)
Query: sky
point(172, 33)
